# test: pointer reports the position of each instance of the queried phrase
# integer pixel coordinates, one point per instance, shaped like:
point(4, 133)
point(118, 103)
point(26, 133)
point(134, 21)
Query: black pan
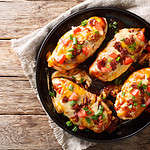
point(125, 19)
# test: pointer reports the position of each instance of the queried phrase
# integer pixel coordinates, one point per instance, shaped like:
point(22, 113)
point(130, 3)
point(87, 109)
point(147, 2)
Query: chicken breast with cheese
point(75, 46)
point(82, 107)
point(119, 54)
point(134, 96)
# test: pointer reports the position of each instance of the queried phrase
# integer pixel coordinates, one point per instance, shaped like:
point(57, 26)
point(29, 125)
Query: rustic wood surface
point(23, 123)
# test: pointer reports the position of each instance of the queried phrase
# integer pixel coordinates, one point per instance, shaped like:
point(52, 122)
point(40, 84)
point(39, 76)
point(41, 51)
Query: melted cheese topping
point(85, 36)
point(125, 97)
point(109, 49)
point(85, 99)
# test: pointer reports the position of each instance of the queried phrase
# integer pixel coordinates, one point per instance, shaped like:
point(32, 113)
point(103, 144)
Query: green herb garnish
point(81, 80)
point(75, 128)
point(73, 77)
point(79, 46)
point(94, 117)
point(118, 58)
point(71, 37)
point(52, 94)
point(148, 93)
point(133, 97)
point(84, 23)
point(140, 83)
point(96, 32)
point(74, 40)
point(88, 120)
point(115, 23)
point(109, 60)
point(143, 105)
point(89, 112)
point(70, 50)
point(86, 108)
point(135, 103)
point(122, 39)
point(123, 93)
point(132, 47)
point(144, 86)
point(72, 103)
point(69, 123)
point(130, 106)
point(69, 55)
point(70, 87)
point(131, 88)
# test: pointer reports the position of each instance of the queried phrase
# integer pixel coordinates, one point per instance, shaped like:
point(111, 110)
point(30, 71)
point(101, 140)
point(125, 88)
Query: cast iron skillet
point(125, 19)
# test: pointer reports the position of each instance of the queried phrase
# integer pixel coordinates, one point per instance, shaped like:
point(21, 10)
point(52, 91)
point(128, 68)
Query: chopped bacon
point(113, 64)
point(129, 41)
point(65, 99)
point(92, 22)
point(113, 55)
point(101, 63)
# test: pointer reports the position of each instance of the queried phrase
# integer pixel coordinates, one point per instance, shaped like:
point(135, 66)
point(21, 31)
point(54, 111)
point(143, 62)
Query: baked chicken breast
point(119, 54)
point(134, 96)
point(82, 107)
point(75, 46)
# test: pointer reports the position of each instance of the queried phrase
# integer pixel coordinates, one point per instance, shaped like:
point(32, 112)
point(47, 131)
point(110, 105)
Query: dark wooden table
point(23, 123)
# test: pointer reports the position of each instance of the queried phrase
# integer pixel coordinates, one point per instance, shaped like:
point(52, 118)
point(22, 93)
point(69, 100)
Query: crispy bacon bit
point(76, 107)
point(65, 99)
point(117, 46)
point(129, 41)
point(113, 64)
point(101, 63)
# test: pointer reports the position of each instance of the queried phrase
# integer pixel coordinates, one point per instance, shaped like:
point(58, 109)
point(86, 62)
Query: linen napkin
point(27, 48)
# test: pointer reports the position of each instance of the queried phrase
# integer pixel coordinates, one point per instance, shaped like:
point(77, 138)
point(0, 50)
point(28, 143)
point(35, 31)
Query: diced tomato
point(141, 36)
point(85, 51)
point(98, 26)
point(135, 92)
point(74, 97)
point(128, 60)
point(105, 69)
point(148, 48)
point(66, 42)
point(148, 88)
point(148, 102)
point(113, 55)
point(61, 59)
point(81, 127)
point(76, 30)
point(82, 113)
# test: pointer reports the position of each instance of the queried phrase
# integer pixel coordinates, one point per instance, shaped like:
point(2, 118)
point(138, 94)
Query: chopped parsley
point(130, 106)
point(88, 120)
point(89, 112)
point(123, 93)
point(140, 83)
point(118, 58)
point(70, 87)
point(75, 128)
point(70, 50)
point(74, 40)
point(79, 46)
point(144, 86)
point(94, 117)
point(122, 39)
point(73, 77)
point(143, 105)
point(104, 97)
point(51, 93)
point(72, 103)
point(71, 37)
point(133, 97)
point(84, 23)
point(135, 103)
point(69, 123)
point(69, 55)
point(133, 46)
point(81, 80)
point(131, 88)
point(86, 108)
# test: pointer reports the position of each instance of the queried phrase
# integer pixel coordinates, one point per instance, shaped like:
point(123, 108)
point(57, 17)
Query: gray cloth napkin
point(28, 46)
